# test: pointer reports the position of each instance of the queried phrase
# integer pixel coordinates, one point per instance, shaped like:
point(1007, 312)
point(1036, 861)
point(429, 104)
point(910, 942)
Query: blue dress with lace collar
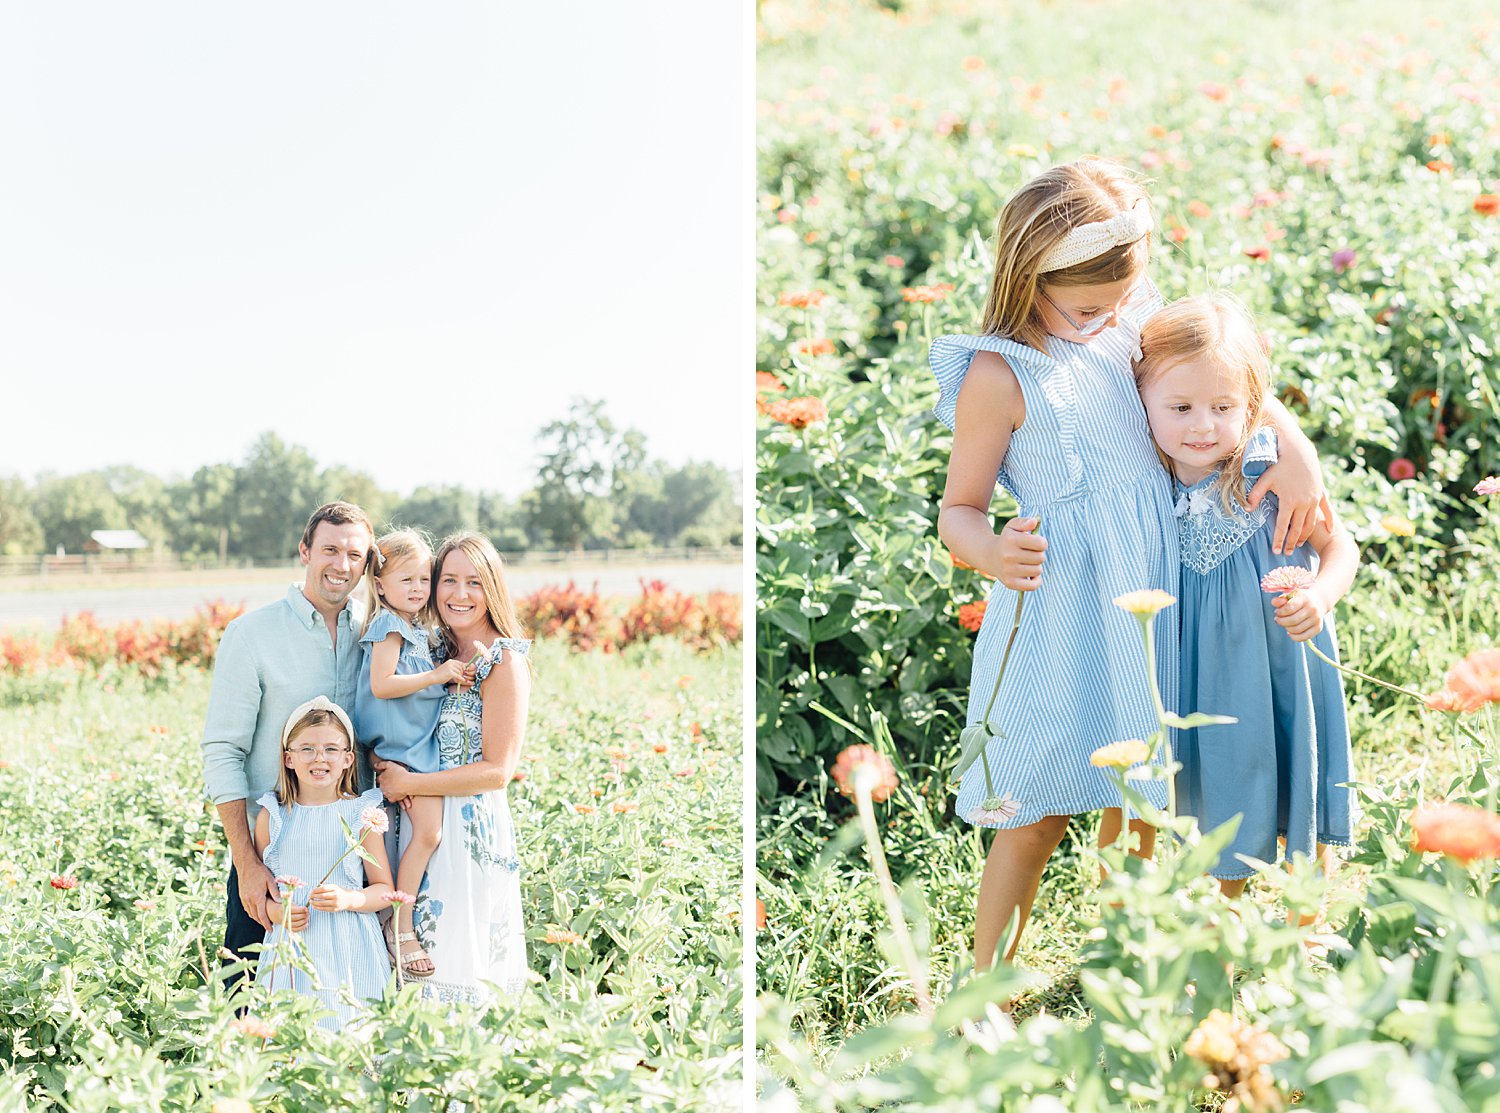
point(1284, 766)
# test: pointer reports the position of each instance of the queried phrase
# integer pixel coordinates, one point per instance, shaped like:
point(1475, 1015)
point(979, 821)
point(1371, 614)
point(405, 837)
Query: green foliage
point(106, 1005)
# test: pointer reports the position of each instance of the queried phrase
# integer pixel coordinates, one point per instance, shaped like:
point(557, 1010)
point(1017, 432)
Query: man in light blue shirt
point(269, 662)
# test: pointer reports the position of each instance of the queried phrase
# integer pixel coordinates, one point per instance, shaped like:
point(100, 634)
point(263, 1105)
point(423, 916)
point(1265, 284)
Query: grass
point(99, 778)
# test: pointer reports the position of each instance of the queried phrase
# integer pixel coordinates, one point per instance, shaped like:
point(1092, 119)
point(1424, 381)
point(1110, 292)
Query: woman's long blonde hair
point(501, 610)
point(1035, 220)
point(395, 547)
point(286, 781)
point(1218, 330)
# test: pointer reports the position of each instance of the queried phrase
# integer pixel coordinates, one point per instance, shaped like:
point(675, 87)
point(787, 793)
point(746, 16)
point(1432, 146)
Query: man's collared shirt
point(270, 661)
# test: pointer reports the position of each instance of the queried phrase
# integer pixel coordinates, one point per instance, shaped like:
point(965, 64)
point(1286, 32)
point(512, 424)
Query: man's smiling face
point(334, 561)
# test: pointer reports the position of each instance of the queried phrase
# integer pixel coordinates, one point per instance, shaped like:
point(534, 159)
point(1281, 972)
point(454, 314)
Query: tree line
point(595, 488)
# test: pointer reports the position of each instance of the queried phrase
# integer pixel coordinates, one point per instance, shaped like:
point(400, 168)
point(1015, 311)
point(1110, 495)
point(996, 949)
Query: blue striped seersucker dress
point(1084, 462)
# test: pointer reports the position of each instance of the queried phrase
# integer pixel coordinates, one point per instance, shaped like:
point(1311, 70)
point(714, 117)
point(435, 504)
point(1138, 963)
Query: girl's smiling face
point(1197, 413)
point(317, 756)
point(404, 587)
point(459, 594)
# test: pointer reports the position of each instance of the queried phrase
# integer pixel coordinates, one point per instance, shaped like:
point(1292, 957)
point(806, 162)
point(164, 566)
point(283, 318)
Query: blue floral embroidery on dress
point(479, 836)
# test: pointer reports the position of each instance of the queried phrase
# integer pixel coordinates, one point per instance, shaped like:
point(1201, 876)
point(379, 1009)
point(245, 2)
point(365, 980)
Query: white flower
point(997, 809)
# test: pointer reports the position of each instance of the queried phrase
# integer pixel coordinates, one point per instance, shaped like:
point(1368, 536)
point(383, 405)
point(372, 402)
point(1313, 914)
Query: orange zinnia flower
point(799, 413)
point(863, 763)
point(760, 914)
point(927, 294)
point(820, 346)
point(252, 1027)
point(767, 383)
point(1199, 209)
point(971, 616)
point(556, 936)
point(1439, 166)
point(624, 807)
point(1261, 253)
point(801, 299)
point(1456, 830)
point(1476, 678)
point(1449, 701)
point(1487, 204)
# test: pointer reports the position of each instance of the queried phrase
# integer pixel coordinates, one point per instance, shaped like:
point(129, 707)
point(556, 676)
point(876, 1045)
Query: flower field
point(112, 869)
point(1336, 168)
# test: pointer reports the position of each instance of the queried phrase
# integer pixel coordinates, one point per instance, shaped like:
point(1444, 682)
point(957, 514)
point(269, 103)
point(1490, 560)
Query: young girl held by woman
point(1283, 766)
point(1044, 400)
point(299, 837)
point(396, 707)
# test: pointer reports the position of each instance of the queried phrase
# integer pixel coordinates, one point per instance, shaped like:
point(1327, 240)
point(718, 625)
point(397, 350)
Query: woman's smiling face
point(459, 594)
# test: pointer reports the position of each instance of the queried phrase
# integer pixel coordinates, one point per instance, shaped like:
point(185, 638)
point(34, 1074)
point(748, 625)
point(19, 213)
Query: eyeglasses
point(1095, 325)
point(327, 753)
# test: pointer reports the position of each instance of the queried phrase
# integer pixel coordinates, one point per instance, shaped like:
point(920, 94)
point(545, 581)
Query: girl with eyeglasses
point(333, 926)
point(1043, 400)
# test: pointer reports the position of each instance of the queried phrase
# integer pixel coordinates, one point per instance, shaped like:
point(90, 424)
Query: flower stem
point(904, 945)
point(1393, 687)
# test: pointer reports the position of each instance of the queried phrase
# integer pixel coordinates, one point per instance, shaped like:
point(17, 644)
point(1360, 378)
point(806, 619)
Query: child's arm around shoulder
point(386, 683)
point(1296, 480)
point(990, 408)
point(1302, 613)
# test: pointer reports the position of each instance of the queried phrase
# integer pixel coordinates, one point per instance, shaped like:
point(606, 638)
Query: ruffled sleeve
point(496, 654)
point(1260, 453)
point(274, 817)
point(389, 622)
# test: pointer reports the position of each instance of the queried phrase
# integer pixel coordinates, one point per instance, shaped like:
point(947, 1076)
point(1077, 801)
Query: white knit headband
point(317, 703)
point(1089, 241)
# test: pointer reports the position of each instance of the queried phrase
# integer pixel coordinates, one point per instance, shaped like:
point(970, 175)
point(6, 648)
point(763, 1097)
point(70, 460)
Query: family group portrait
point(1126, 470)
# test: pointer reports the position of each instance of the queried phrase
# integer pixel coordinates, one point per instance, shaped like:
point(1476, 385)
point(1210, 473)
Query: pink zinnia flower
point(144, 905)
point(287, 881)
point(1287, 578)
point(375, 820)
point(64, 881)
point(252, 1027)
point(1489, 485)
point(1343, 259)
point(1401, 468)
point(399, 897)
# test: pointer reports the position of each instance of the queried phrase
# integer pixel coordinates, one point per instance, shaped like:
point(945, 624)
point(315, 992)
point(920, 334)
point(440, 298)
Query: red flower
point(1401, 468)
point(1487, 204)
point(861, 762)
point(801, 299)
point(1456, 830)
point(799, 413)
point(64, 881)
point(971, 616)
point(1262, 252)
point(927, 294)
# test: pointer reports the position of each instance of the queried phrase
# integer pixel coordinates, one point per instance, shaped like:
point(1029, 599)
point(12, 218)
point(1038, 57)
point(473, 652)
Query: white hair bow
point(1089, 241)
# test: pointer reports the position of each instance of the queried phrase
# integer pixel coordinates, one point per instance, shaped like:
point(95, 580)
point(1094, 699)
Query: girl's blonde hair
point(491, 569)
point(1216, 329)
point(1035, 220)
point(286, 780)
point(393, 549)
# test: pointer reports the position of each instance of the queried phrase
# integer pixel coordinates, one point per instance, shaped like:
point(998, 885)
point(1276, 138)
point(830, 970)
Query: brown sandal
point(408, 958)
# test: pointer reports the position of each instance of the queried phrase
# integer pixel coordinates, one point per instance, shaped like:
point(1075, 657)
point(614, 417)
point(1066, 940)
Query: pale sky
point(402, 236)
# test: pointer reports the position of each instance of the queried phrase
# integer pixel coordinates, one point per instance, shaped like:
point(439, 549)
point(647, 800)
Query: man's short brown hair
point(339, 514)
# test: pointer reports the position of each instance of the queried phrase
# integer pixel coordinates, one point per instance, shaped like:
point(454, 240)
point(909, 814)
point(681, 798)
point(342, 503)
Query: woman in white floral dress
point(468, 911)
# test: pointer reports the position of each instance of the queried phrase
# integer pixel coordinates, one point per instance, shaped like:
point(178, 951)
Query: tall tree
point(438, 511)
point(70, 507)
point(20, 534)
point(277, 489)
point(203, 513)
point(586, 461)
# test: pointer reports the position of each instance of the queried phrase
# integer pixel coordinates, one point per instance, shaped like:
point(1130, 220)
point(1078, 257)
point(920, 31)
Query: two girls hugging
point(1144, 452)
